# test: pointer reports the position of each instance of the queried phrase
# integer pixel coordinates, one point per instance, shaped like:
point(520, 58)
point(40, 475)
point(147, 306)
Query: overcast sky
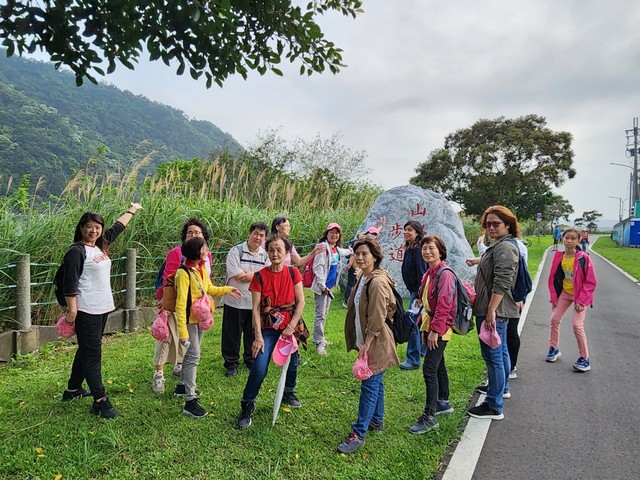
point(420, 69)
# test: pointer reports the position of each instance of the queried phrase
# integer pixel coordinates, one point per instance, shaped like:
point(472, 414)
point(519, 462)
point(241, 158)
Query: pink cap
point(333, 225)
point(373, 230)
point(285, 346)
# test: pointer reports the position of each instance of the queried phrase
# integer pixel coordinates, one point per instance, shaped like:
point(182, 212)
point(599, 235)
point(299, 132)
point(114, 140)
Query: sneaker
point(408, 366)
point(104, 409)
point(483, 389)
point(158, 383)
point(244, 419)
point(582, 364)
point(320, 350)
point(443, 406)
point(181, 391)
point(485, 411)
point(231, 372)
point(375, 426)
point(513, 373)
point(69, 395)
point(351, 443)
point(424, 424)
point(553, 354)
point(177, 370)
point(193, 409)
point(291, 400)
point(326, 343)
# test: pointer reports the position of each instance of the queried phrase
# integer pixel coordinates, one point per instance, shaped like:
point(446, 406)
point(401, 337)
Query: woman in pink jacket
point(572, 279)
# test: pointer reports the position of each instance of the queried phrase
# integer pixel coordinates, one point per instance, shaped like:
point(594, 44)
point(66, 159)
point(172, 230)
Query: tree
point(216, 39)
point(589, 219)
point(560, 208)
point(512, 162)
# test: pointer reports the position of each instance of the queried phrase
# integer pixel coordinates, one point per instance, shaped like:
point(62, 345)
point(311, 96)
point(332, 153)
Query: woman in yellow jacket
point(192, 281)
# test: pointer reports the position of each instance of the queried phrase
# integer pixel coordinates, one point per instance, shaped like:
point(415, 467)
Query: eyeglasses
point(492, 224)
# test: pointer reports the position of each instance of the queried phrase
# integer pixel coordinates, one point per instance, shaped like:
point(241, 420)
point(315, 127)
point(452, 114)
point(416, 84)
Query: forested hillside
point(51, 128)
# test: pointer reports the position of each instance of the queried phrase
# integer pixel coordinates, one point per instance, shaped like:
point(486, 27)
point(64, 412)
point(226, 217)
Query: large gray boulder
point(393, 208)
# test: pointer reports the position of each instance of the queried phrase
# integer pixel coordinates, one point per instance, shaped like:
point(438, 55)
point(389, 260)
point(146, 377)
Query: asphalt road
point(562, 424)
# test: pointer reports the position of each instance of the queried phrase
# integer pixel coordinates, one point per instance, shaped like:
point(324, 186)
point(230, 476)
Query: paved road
point(562, 424)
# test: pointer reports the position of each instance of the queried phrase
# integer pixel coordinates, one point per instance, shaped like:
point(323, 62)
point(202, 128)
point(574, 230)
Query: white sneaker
point(513, 373)
point(320, 350)
point(158, 384)
point(177, 370)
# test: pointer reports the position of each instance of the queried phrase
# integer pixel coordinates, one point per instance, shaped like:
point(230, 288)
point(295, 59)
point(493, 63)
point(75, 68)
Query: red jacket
point(443, 307)
point(584, 278)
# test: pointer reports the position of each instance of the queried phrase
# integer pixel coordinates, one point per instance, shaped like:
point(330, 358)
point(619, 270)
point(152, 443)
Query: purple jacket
point(584, 278)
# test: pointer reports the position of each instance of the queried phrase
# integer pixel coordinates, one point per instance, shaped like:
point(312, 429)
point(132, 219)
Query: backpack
point(308, 274)
point(159, 283)
point(524, 284)
point(58, 280)
point(169, 294)
point(465, 296)
point(402, 324)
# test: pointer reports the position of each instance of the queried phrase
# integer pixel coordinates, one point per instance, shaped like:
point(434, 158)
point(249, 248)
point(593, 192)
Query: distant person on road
point(572, 279)
point(584, 240)
point(557, 236)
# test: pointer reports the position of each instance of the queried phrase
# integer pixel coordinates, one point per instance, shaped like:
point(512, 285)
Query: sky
point(421, 69)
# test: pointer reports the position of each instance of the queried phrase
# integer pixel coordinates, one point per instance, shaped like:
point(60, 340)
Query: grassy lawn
point(536, 251)
point(44, 438)
point(628, 259)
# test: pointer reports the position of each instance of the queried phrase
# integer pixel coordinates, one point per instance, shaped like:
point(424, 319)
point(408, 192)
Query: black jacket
point(413, 267)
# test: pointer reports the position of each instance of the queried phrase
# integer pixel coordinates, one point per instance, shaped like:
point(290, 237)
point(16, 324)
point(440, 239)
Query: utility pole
point(632, 139)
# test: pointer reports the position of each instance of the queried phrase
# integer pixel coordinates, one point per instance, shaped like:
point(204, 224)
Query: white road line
point(465, 457)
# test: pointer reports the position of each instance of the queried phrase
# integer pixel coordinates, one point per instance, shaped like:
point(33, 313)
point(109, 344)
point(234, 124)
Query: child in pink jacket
point(572, 279)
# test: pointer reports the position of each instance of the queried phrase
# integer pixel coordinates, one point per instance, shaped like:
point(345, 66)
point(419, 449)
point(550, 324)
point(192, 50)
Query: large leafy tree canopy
point(511, 162)
point(216, 38)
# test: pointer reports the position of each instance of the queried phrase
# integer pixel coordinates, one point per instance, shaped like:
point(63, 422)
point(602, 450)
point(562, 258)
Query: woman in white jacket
point(326, 267)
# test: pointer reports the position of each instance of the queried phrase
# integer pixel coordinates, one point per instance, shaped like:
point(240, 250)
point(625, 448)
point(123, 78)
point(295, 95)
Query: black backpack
point(58, 280)
point(524, 284)
point(463, 320)
point(402, 324)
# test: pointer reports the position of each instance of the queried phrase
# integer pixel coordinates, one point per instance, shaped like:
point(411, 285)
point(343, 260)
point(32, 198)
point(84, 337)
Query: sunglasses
point(492, 224)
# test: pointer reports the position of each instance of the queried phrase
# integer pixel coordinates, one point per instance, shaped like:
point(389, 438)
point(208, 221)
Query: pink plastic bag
point(361, 368)
point(201, 311)
point(160, 327)
point(65, 329)
point(490, 337)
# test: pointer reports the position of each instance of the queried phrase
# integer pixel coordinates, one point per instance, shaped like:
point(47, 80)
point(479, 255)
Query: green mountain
point(50, 128)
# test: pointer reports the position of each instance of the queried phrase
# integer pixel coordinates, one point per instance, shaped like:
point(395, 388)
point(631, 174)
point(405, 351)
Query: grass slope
point(628, 259)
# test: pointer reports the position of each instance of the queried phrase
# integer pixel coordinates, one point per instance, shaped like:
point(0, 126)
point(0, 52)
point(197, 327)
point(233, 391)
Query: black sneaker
point(244, 419)
point(232, 372)
point(181, 391)
point(193, 408)
point(69, 395)
point(424, 424)
point(485, 411)
point(104, 409)
point(484, 388)
point(291, 400)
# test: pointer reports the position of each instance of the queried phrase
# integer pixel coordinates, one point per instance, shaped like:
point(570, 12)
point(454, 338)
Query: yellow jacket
point(182, 283)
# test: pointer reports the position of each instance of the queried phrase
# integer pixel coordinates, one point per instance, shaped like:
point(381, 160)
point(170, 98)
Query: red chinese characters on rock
point(396, 231)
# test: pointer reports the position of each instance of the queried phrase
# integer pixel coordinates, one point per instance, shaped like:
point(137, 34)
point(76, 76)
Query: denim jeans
point(261, 367)
point(436, 378)
point(415, 348)
point(498, 365)
point(370, 405)
point(87, 364)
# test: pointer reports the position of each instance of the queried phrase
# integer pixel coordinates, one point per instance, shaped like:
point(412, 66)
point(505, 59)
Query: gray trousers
point(322, 309)
point(191, 361)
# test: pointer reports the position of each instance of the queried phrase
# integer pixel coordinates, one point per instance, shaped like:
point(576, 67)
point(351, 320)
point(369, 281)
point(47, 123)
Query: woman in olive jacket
point(371, 303)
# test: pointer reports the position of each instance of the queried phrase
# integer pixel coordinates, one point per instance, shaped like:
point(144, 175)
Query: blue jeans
point(261, 367)
point(371, 404)
point(498, 365)
point(415, 348)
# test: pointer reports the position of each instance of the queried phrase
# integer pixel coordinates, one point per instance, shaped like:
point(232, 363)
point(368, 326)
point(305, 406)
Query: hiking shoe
point(351, 443)
point(244, 419)
point(69, 395)
point(553, 354)
point(291, 400)
point(483, 389)
point(485, 411)
point(104, 409)
point(375, 426)
point(231, 372)
point(158, 383)
point(424, 424)
point(408, 366)
point(181, 391)
point(582, 364)
point(443, 406)
point(513, 373)
point(320, 350)
point(193, 409)
point(177, 370)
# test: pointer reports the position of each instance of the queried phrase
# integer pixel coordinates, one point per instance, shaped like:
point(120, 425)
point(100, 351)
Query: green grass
point(536, 251)
point(628, 259)
point(152, 439)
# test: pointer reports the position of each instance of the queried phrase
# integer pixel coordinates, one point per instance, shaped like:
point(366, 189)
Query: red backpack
point(308, 274)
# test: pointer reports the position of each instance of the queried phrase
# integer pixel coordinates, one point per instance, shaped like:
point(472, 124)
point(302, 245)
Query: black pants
point(236, 323)
point(513, 341)
point(87, 364)
point(436, 377)
point(351, 282)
